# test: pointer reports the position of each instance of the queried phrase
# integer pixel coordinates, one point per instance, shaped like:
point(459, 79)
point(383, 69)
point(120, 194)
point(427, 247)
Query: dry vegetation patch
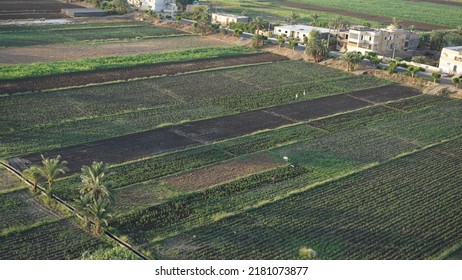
point(220, 173)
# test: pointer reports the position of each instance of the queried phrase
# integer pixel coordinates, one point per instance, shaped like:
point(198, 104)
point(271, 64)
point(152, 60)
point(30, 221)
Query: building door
point(454, 69)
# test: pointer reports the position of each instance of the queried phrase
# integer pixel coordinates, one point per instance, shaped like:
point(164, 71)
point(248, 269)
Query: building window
point(370, 38)
point(362, 37)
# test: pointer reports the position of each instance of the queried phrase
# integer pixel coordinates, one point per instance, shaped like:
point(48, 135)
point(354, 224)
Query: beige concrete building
point(386, 41)
point(226, 19)
point(451, 60)
point(157, 6)
point(300, 31)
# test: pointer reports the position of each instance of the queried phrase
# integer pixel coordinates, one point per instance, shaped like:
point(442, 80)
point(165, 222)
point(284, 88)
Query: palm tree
point(351, 59)
point(100, 212)
point(458, 30)
point(317, 49)
point(392, 64)
point(33, 174)
point(315, 19)
point(437, 39)
point(258, 23)
point(294, 17)
point(339, 23)
point(92, 181)
point(50, 169)
point(396, 22)
point(81, 207)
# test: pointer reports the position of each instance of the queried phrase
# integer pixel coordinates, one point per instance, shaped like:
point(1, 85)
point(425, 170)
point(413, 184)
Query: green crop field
point(30, 230)
point(72, 116)
point(398, 184)
point(11, 72)
point(428, 13)
point(167, 220)
point(347, 174)
point(19, 36)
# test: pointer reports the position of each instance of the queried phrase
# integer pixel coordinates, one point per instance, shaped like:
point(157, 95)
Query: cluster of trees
point(112, 6)
point(316, 48)
point(438, 39)
point(337, 23)
point(203, 18)
point(49, 170)
point(96, 199)
point(254, 26)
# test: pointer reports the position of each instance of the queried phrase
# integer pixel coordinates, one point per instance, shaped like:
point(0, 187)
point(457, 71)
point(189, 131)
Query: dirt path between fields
point(85, 78)
point(418, 25)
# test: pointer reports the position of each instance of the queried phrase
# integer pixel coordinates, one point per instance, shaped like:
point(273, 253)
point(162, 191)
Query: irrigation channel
point(72, 209)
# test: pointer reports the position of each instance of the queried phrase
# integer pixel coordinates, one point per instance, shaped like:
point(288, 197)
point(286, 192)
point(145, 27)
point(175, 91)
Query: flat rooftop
point(457, 49)
point(303, 28)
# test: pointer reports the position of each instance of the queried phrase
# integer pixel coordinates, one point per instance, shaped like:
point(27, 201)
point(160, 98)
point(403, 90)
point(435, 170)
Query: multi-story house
point(451, 60)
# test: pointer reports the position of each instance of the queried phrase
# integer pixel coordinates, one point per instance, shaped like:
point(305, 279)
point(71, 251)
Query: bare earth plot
point(157, 141)
point(59, 52)
point(75, 79)
point(418, 25)
point(48, 9)
point(222, 172)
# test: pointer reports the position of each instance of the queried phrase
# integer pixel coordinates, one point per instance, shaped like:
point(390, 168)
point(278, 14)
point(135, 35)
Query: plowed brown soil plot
point(330, 105)
point(223, 172)
point(33, 9)
point(319, 107)
point(385, 94)
point(84, 78)
point(119, 149)
point(230, 126)
point(444, 2)
point(418, 25)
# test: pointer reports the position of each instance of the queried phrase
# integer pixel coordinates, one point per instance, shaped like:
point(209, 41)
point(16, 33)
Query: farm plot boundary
point(382, 19)
point(85, 78)
point(162, 140)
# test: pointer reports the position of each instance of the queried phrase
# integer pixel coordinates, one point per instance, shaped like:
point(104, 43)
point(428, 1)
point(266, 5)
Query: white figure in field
point(286, 159)
point(296, 96)
point(304, 92)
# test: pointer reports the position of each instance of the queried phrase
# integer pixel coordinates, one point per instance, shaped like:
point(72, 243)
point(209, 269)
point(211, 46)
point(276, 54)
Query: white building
point(300, 31)
point(451, 60)
point(226, 19)
point(157, 6)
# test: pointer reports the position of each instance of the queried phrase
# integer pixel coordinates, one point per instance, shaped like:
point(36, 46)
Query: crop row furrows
point(160, 166)
point(412, 232)
point(58, 240)
point(20, 208)
point(161, 215)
